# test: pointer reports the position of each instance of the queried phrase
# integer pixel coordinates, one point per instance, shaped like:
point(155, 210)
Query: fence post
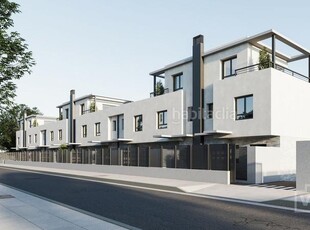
point(209, 158)
point(161, 156)
point(138, 156)
point(149, 156)
point(190, 156)
point(175, 156)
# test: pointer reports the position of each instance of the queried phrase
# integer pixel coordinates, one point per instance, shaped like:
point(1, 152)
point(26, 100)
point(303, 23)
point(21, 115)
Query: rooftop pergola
point(256, 41)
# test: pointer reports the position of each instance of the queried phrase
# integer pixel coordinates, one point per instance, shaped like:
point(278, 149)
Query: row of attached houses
point(219, 109)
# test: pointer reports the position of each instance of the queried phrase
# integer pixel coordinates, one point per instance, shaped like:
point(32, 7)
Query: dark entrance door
point(241, 163)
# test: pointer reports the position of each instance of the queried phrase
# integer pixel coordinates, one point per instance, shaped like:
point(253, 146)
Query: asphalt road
point(151, 209)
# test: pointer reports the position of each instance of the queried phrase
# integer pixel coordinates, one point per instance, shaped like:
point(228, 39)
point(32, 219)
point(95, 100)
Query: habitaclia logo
point(223, 114)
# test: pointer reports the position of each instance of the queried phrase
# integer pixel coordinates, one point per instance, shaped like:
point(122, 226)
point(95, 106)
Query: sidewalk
point(19, 210)
point(244, 193)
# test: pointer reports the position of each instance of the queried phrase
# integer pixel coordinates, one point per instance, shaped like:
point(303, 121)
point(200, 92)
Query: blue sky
point(110, 47)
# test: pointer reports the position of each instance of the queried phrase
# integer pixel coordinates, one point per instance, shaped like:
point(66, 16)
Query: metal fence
point(211, 157)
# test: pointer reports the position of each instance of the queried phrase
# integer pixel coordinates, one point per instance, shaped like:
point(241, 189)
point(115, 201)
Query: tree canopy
point(15, 58)
point(159, 88)
point(9, 123)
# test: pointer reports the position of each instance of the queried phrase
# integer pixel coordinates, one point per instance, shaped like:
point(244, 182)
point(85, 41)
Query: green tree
point(9, 123)
point(15, 58)
point(264, 59)
point(92, 107)
point(159, 88)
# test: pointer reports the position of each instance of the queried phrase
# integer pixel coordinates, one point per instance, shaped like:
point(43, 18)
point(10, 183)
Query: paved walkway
point(268, 194)
point(19, 210)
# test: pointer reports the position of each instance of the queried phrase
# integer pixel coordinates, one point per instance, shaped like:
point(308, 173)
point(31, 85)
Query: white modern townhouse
point(221, 109)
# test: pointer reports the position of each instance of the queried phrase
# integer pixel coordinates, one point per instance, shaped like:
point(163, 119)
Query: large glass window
point(229, 67)
point(162, 119)
point(97, 129)
point(84, 131)
point(177, 82)
point(138, 123)
point(244, 107)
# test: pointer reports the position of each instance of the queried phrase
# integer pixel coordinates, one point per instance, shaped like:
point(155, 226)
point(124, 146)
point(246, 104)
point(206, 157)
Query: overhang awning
point(173, 136)
point(73, 144)
point(214, 132)
point(116, 140)
point(23, 148)
point(43, 146)
point(32, 147)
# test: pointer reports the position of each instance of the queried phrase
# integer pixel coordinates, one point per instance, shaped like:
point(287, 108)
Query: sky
point(108, 48)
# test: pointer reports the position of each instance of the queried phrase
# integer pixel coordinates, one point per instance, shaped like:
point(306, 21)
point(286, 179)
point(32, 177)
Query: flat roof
point(253, 40)
point(98, 97)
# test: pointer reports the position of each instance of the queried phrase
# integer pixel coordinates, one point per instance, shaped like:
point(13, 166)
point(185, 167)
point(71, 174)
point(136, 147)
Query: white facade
point(279, 115)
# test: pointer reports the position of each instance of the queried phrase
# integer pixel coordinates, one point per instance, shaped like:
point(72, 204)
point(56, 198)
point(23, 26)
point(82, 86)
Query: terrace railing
point(283, 69)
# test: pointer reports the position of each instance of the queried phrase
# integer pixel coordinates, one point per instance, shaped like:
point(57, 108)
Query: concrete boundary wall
point(302, 166)
point(207, 176)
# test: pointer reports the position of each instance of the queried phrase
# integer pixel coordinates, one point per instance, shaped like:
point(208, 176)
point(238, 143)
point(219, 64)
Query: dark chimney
point(198, 88)
point(72, 117)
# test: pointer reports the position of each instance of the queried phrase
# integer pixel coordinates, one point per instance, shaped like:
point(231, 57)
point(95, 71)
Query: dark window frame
point(209, 110)
point(97, 129)
point(243, 116)
point(52, 135)
point(138, 123)
point(67, 113)
point(114, 125)
point(164, 124)
point(84, 131)
point(190, 113)
point(82, 106)
point(60, 134)
point(180, 85)
point(232, 73)
point(35, 138)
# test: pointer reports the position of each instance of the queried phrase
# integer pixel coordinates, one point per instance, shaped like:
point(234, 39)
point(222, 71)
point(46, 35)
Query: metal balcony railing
point(154, 94)
point(283, 69)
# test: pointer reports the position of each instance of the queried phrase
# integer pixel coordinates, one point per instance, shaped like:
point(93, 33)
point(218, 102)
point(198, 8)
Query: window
point(35, 138)
point(18, 140)
point(114, 125)
point(97, 129)
point(210, 110)
point(244, 107)
point(177, 82)
point(84, 130)
point(60, 134)
point(138, 123)
point(43, 136)
point(30, 124)
point(162, 119)
point(122, 123)
point(52, 135)
point(229, 67)
point(67, 113)
point(29, 139)
point(190, 114)
point(82, 109)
